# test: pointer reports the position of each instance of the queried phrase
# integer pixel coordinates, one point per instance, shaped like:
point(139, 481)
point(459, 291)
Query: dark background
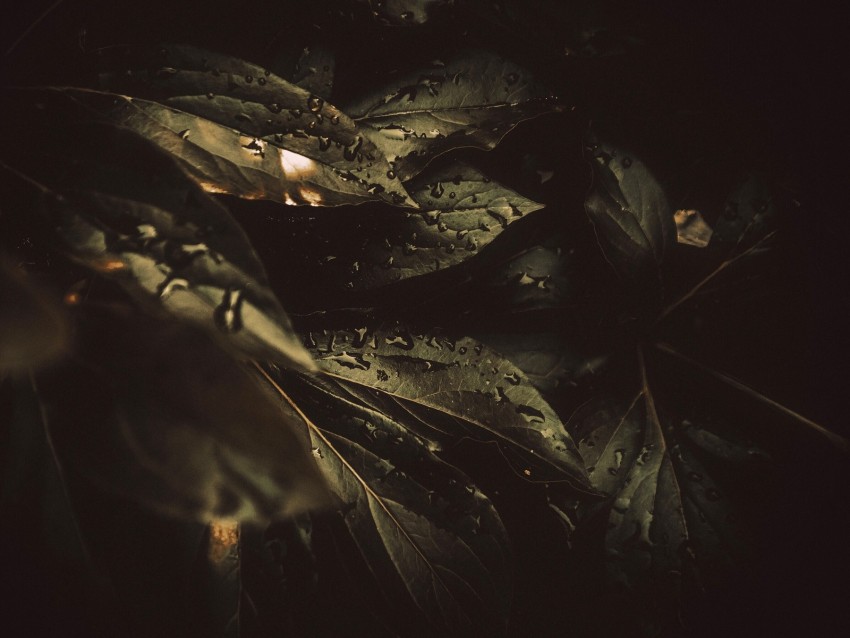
point(761, 86)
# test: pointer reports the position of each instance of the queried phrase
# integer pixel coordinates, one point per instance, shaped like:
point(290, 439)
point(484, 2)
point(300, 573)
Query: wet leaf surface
point(418, 522)
point(276, 115)
point(158, 235)
point(471, 101)
point(488, 396)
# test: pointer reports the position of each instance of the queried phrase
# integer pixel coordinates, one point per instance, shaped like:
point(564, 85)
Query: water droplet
point(184, 134)
point(249, 78)
point(210, 95)
point(437, 190)
point(261, 81)
point(335, 119)
point(511, 78)
point(315, 103)
point(390, 175)
point(626, 162)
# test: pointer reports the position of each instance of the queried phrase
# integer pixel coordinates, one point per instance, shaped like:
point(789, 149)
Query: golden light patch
point(224, 535)
point(295, 166)
point(108, 264)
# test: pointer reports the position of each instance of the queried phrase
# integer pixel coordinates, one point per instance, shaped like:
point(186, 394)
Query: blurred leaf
point(471, 101)
point(276, 118)
point(629, 210)
point(172, 422)
point(486, 395)
point(124, 208)
point(749, 215)
point(691, 228)
point(421, 526)
point(33, 323)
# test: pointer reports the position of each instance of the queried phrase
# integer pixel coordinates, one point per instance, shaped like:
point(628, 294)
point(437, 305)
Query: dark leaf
point(124, 208)
point(461, 212)
point(488, 396)
point(33, 324)
point(629, 210)
point(172, 422)
point(749, 215)
point(670, 524)
point(419, 523)
point(314, 71)
point(277, 118)
point(404, 12)
point(472, 101)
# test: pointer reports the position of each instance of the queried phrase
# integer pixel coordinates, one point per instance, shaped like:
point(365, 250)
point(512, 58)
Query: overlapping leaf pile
point(160, 368)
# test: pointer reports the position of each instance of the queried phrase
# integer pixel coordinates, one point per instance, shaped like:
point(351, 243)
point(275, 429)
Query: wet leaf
point(629, 210)
point(404, 12)
point(314, 71)
point(670, 524)
point(461, 213)
point(424, 530)
point(174, 423)
point(274, 114)
point(472, 101)
point(33, 324)
point(484, 393)
point(125, 209)
point(749, 214)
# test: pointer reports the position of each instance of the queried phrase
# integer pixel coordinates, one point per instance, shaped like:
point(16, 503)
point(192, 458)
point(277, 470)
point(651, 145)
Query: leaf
point(421, 526)
point(472, 101)
point(669, 521)
point(404, 12)
point(279, 115)
point(314, 71)
point(33, 325)
point(124, 208)
point(749, 214)
point(461, 213)
point(487, 395)
point(629, 211)
point(173, 423)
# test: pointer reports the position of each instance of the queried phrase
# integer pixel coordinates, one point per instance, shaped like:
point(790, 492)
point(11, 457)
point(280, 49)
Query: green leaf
point(174, 423)
point(750, 213)
point(629, 211)
point(461, 213)
point(423, 529)
point(670, 524)
point(314, 71)
point(471, 101)
point(486, 395)
point(124, 208)
point(277, 118)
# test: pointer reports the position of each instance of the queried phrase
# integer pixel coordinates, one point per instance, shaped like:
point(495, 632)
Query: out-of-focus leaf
point(461, 212)
point(629, 210)
point(472, 101)
point(124, 208)
point(403, 12)
point(273, 114)
point(424, 530)
point(670, 524)
point(487, 395)
point(749, 213)
point(33, 324)
point(314, 71)
point(155, 412)
point(691, 228)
